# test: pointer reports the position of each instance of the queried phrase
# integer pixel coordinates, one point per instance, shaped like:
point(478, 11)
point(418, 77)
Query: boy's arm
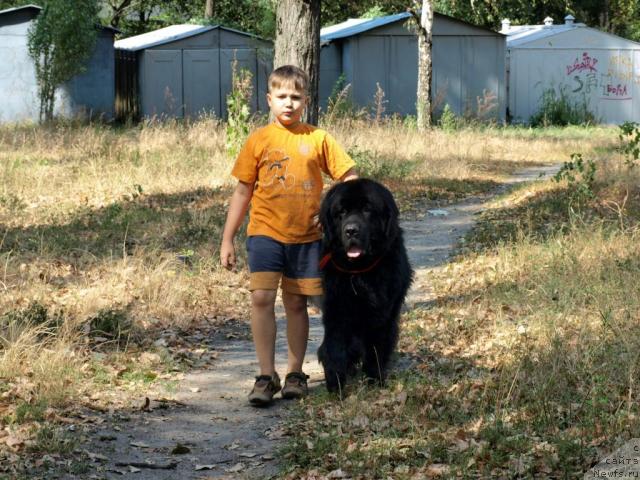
point(350, 174)
point(238, 206)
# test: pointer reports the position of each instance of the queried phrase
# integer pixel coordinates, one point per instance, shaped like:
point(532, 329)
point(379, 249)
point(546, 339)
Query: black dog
point(366, 275)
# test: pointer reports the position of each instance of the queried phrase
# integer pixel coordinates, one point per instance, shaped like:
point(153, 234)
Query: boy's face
point(287, 104)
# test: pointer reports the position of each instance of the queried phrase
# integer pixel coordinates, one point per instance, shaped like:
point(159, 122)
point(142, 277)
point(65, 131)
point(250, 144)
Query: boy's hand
point(227, 255)
point(316, 222)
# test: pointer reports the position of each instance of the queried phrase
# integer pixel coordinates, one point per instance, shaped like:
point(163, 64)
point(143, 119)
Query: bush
point(14, 322)
point(371, 165)
point(448, 120)
point(112, 324)
point(558, 108)
point(630, 142)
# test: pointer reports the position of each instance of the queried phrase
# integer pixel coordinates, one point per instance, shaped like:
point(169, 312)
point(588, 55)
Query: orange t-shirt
point(286, 164)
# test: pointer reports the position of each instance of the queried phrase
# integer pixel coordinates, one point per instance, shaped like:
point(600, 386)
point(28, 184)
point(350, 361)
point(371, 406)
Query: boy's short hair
point(289, 75)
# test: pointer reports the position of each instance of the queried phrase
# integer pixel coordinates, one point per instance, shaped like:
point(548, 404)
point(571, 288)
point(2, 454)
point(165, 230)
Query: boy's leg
point(263, 328)
point(295, 306)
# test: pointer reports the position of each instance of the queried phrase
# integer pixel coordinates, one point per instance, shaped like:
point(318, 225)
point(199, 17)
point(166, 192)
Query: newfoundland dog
point(366, 275)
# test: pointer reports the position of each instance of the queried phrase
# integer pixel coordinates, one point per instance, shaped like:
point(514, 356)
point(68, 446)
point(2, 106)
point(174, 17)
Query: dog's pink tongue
point(354, 252)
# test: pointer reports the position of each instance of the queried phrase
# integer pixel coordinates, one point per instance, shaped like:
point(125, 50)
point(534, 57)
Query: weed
point(52, 439)
point(238, 112)
point(580, 177)
point(448, 120)
point(29, 412)
point(558, 108)
point(113, 324)
point(630, 139)
point(371, 165)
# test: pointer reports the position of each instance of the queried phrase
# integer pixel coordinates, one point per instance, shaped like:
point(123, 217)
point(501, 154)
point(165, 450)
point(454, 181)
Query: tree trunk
point(208, 9)
point(298, 43)
point(423, 103)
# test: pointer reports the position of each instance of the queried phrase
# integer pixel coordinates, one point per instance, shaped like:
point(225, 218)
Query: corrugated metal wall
point(192, 76)
point(468, 66)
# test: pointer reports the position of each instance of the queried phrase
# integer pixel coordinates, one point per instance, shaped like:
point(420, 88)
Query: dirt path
point(225, 437)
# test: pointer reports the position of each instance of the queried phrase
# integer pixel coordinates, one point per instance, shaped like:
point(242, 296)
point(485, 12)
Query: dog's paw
point(335, 382)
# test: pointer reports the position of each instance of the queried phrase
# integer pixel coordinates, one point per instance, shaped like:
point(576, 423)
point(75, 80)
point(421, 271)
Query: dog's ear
point(393, 214)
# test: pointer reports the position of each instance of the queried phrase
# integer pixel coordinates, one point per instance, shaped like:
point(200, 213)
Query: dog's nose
point(351, 230)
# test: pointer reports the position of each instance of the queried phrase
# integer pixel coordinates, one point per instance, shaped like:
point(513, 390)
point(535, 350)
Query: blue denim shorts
point(292, 265)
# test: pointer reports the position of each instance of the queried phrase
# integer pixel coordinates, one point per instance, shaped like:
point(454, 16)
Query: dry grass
point(127, 220)
point(527, 364)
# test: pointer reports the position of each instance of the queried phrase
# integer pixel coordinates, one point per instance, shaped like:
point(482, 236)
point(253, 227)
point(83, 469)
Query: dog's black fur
point(361, 304)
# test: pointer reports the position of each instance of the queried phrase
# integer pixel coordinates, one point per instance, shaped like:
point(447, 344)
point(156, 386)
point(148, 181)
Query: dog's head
point(359, 219)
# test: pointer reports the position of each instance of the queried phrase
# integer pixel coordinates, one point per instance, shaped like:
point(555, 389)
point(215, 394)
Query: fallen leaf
point(437, 470)
point(97, 456)
point(13, 442)
point(336, 474)
point(133, 469)
point(238, 467)
point(139, 445)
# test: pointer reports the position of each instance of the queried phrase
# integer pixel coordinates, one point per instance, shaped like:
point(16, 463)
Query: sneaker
point(295, 385)
point(264, 389)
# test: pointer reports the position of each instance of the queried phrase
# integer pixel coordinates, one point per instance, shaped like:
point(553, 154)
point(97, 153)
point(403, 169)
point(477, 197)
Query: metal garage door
point(201, 82)
point(163, 76)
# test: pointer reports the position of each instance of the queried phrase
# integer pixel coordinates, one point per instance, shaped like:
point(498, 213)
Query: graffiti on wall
point(611, 83)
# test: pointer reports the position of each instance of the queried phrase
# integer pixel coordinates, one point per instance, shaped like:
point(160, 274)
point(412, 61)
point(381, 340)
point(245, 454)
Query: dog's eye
point(366, 209)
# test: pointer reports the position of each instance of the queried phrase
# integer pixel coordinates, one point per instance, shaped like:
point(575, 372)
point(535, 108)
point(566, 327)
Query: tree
point(298, 43)
point(424, 28)
point(61, 41)
point(208, 9)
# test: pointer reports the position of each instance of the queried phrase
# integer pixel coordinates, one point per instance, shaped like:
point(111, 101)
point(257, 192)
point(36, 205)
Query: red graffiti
point(617, 90)
point(587, 64)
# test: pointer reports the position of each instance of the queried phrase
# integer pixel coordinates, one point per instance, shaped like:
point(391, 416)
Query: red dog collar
point(327, 258)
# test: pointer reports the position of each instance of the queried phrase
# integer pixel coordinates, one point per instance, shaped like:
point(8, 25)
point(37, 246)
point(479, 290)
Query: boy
point(279, 172)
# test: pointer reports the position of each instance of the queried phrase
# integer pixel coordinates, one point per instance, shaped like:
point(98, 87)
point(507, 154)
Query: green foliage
point(14, 322)
point(53, 439)
point(580, 176)
point(61, 41)
point(374, 12)
point(112, 324)
point(29, 412)
point(334, 11)
point(630, 139)
point(238, 113)
point(371, 165)
point(621, 17)
point(448, 119)
point(134, 17)
point(558, 108)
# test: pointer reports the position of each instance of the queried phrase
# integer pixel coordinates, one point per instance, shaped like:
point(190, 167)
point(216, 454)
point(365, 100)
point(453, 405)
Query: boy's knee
point(263, 298)
point(294, 302)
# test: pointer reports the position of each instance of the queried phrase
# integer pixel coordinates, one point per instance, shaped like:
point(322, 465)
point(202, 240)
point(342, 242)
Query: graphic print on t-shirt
point(277, 169)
